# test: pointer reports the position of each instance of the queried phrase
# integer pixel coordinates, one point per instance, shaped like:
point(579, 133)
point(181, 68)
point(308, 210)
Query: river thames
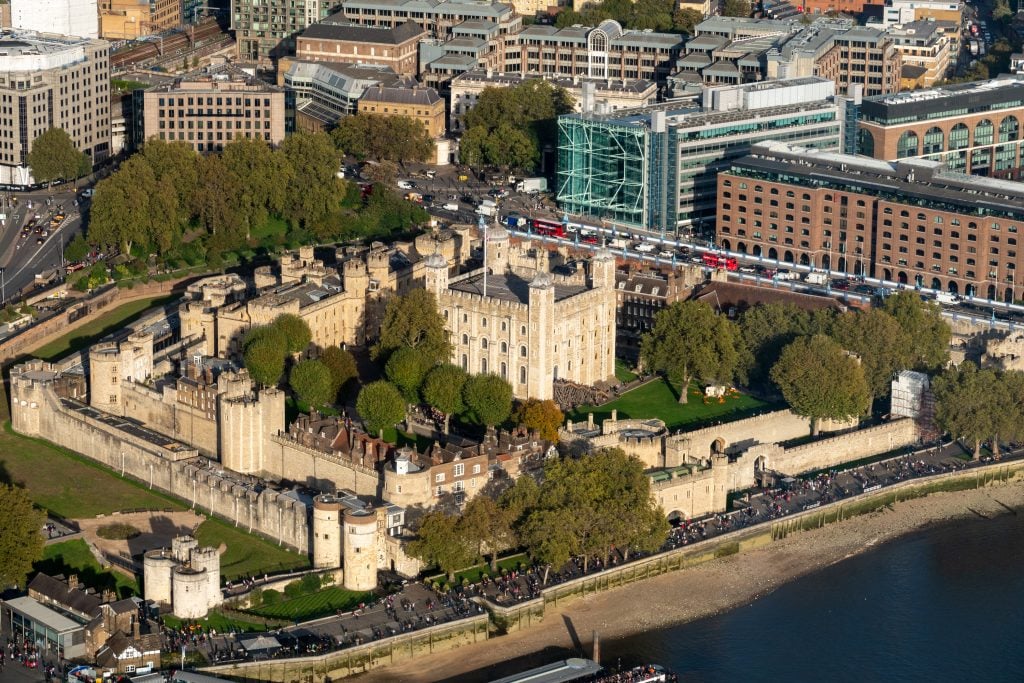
point(942, 604)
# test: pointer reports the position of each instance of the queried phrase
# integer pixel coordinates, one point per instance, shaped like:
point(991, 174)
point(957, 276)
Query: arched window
point(983, 133)
point(959, 137)
point(483, 365)
point(504, 347)
point(522, 374)
point(504, 371)
point(934, 140)
point(1009, 129)
point(483, 322)
point(865, 143)
point(907, 145)
point(465, 339)
point(465, 363)
point(522, 352)
point(483, 343)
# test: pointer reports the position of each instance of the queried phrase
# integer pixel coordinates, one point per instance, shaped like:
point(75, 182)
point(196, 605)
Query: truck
point(532, 185)
point(946, 298)
point(815, 278)
point(975, 47)
point(487, 208)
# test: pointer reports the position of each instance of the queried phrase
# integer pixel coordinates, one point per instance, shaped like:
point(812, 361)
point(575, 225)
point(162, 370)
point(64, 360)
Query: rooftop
point(41, 614)
point(947, 100)
point(510, 287)
point(335, 30)
point(393, 95)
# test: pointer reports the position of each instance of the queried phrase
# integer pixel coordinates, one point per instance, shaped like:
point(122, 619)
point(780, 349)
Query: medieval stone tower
point(246, 422)
point(360, 550)
point(326, 532)
point(111, 364)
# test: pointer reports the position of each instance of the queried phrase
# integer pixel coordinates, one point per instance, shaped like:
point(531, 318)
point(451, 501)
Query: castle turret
point(326, 532)
point(157, 566)
point(246, 425)
point(182, 546)
point(602, 270)
point(436, 274)
point(189, 593)
point(360, 550)
point(208, 560)
point(541, 369)
point(497, 248)
point(105, 378)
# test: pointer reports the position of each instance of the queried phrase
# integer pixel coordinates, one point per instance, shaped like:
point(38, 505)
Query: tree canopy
point(21, 542)
point(488, 398)
point(311, 381)
point(442, 390)
point(765, 330)
point(53, 156)
point(383, 138)
point(544, 417)
point(509, 126)
point(819, 380)
point(968, 402)
point(264, 359)
point(689, 341)
point(439, 543)
point(341, 365)
point(879, 340)
point(380, 405)
point(406, 368)
point(295, 332)
point(413, 321)
point(927, 334)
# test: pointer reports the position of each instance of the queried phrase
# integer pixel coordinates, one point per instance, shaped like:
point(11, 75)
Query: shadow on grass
point(87, 576)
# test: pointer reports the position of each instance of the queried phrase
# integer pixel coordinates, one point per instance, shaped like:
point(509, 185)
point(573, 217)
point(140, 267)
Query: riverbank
point(707, 589)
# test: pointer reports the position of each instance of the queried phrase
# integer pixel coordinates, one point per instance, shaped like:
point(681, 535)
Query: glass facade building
point(655, 168)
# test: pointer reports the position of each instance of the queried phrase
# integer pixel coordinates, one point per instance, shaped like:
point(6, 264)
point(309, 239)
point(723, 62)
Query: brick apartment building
point(395, 47)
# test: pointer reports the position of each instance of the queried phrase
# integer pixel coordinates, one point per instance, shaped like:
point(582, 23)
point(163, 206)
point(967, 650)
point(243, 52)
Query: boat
point(580, 670)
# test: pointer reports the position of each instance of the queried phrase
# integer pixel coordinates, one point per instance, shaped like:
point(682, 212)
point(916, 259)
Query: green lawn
point(247, 554)
point(321, 603)
point(73, 557)
point(660, 399)
point(96, 329)
point(68, 484)
point(474, 573)
point(272, 227)
point(622, 371)
point(219, 622)
point(418, 441)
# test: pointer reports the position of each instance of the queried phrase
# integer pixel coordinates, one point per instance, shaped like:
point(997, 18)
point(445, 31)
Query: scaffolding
point(603, 169)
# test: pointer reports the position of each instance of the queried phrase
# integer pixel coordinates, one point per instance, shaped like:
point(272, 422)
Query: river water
point(942, 604)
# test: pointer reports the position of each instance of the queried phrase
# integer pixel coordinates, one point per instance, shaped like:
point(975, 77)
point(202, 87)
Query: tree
point(442, 390)
point(21, 542)
point(341, 365)
point(967, 403)
point(489, 399)
point(764, 331)
point(296, 332)
point(392, 138)
point(1001, 10)
point(214, 203)
point(736, 8)
point(264, 359)
point(486, 527)
point(544, 417)
point(881, 343)
point(438, 542)
point(821, 381)
point(686, 20)
point(406, 368)
point(263, 183)
point(927, 333)
point(121, 214)
point(77, 249)
point(413, 321)
point(381, 174)
point(380, 405)
point(313, 189)
point(311, 382)
point(54, 157)
point(689, 341)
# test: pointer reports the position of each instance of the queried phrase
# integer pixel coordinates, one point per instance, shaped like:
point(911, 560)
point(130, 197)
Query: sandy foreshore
point(683, 596)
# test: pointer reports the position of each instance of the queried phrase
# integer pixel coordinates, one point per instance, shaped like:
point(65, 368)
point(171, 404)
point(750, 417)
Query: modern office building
point(265, 30)
point(912, 221)
point(654, 168)
point(65, 17)
point(51, 81)
point(926, 52)
point(970, 127)
point(324, 91)
point(211, 107)
point(436, 17)
point(605, 51)
point(395, 47)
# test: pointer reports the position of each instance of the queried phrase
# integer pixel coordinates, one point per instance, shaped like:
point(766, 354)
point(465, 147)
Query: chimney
point(136, 628)
point(73, 581)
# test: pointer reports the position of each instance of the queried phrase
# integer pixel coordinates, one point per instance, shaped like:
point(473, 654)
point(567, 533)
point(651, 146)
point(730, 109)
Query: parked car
point(406, 184)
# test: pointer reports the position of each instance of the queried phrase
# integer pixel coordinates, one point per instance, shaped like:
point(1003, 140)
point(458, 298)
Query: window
point(476, 469)
point(460, 469)
point(522, 351)
point(439, 477)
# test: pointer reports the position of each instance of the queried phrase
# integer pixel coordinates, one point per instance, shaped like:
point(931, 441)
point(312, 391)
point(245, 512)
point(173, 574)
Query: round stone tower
point(360, 547)
point(208, 560)
point(181, 548)
point(189, 593)
point(326, 532)
point(435, 274)
point(105, 377)
point(157, 566)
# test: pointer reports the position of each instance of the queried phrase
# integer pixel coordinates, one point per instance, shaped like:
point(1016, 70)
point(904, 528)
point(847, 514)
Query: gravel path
point(707, 589)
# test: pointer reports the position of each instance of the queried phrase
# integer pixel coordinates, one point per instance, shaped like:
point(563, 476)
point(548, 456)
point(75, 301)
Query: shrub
point(294, 589)
point(271, 597)
point(117, 532)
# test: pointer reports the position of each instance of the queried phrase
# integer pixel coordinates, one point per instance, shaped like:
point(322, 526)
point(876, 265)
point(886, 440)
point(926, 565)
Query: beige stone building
point(213, 106)
point(419, 103)
point(515, 319)
point(395, 47)
point(51, 81)
point(132, 19)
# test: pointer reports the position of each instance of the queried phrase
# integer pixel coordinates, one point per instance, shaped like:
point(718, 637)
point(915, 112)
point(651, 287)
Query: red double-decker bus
point(716, 261)
point(548, 228)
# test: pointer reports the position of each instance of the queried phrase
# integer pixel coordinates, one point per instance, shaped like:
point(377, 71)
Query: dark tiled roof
point(414, 95)
point(728, 294)
point(59, 593)
point(364, 34)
